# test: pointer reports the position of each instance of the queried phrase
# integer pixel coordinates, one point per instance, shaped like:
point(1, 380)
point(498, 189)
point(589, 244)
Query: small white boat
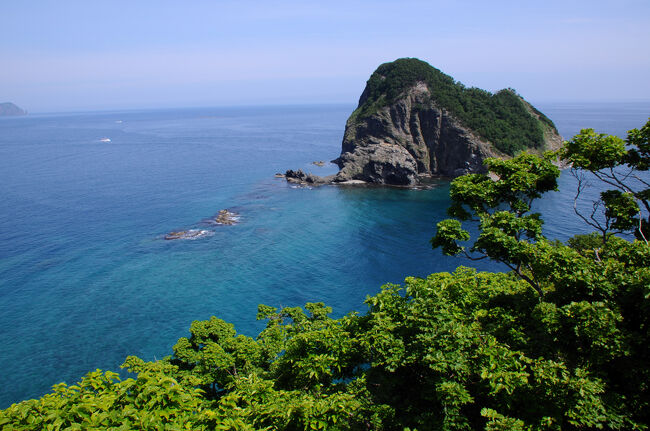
point(105, 140)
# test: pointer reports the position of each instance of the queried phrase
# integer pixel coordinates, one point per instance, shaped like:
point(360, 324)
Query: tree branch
point(581, 186)
point(641, 229)
point(530, 281)
point(470, 257)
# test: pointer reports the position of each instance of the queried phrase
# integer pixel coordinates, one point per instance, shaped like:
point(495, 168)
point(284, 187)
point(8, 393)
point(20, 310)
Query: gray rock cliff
point(408, 139)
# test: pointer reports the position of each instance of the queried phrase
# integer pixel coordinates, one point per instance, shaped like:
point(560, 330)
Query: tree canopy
point(559, 342)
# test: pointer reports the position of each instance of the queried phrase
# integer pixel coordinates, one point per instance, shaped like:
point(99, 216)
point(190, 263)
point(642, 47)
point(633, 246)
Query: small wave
point(231, 220)
point(190, 234)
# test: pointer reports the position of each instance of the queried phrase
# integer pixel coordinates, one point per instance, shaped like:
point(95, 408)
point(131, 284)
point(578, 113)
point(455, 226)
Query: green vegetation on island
point(560, 342)
point(503, 118)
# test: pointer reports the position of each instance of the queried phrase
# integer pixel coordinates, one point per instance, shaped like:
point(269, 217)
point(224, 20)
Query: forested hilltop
point(503, 118)
point(560, 342)
point(413, 121)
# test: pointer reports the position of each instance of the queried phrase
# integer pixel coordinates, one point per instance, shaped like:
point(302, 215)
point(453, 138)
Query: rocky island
point(8, 109)
point(413, 121)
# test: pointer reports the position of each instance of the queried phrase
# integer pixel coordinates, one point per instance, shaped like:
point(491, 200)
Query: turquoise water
point(86, 277)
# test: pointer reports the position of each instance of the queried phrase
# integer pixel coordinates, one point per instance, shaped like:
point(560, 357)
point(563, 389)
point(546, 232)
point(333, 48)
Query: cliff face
point(407, 139)
point(9, 109)
point(397, 140)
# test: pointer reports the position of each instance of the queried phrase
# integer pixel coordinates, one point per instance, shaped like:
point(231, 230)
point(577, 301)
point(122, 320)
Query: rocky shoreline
point(299, 177)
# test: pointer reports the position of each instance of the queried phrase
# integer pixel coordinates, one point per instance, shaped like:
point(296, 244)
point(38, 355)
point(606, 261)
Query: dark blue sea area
point(87, 278)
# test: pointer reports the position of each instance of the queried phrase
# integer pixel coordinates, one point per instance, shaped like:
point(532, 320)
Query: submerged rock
point(187, 234)
point(319, 163)
point(223, 217)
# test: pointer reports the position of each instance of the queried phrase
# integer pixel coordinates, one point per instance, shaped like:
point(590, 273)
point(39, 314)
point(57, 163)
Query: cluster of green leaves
point(152, 401)
point(560, 342)
point(500, 203)
point(502, 118)
point(598, 284)
point(623, 166)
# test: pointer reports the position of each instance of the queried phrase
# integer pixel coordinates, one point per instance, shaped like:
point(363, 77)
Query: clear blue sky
point(75, 55)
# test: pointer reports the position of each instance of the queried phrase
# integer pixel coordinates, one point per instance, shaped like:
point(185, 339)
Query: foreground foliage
point(559, 342)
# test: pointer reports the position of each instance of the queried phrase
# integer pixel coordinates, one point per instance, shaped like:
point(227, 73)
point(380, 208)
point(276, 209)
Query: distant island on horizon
point(8, 109)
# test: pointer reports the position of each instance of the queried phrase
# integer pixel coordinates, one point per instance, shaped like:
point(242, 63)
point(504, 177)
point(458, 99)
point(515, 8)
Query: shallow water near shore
point(87, 277)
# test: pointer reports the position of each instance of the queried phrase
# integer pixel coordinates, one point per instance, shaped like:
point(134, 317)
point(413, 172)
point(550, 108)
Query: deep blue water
point(86, 277)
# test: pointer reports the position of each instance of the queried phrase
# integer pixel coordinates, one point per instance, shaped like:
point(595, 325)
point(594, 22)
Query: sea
point(86, 200)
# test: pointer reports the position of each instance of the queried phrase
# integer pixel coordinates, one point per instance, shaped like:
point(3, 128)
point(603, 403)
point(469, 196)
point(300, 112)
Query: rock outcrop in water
point(225, 217)
point(8, 109)
point(302, 178)
point(413, 121)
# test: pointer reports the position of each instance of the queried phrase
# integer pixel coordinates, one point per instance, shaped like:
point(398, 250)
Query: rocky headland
point(8, 109)
point(413, 121)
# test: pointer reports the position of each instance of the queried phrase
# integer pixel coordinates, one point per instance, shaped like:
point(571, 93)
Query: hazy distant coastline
point(8, 109)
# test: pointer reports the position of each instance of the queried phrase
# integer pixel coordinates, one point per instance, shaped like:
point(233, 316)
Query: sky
point(93, 55)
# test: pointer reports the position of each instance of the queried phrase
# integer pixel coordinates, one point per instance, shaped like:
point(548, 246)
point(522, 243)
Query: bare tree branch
point(641, 228)
point(470, 257)
point(582, 184)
